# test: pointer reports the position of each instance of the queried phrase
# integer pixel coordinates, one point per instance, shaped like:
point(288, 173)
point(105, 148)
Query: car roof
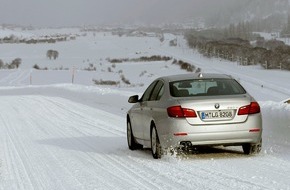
point(194, 76)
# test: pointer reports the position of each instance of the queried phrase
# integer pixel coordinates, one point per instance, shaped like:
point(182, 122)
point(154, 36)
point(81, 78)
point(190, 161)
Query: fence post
point(73, 75)
point(30, 78)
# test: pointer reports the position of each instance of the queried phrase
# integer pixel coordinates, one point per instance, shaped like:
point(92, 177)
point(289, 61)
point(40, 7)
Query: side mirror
point(133, 99)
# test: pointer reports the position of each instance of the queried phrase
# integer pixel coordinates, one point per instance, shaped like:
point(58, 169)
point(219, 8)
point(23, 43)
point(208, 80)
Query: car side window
point(148, 92)
point(161, 91)
point(156, 95)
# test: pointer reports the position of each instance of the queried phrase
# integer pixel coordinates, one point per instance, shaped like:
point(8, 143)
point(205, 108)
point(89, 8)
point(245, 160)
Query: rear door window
point(157, 92)
point(148, 91)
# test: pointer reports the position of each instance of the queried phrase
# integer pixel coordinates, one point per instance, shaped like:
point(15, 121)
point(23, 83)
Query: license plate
point(217, 115)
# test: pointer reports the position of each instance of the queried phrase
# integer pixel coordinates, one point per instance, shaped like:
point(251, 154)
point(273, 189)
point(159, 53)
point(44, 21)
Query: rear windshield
point(205, 87)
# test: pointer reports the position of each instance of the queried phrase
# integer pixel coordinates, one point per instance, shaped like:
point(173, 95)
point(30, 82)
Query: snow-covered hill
point(55, 134)
point(274, 13)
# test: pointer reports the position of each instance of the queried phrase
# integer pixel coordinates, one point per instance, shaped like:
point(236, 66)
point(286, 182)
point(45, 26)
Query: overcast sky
point(93, 12)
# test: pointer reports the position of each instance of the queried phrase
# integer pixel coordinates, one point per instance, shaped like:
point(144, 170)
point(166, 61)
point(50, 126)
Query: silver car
point(185, 111)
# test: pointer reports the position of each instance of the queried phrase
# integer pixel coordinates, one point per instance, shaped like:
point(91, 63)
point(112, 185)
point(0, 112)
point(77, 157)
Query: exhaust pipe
point(185, 145)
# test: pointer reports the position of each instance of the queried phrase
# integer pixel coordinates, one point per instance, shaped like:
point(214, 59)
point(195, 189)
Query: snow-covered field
point(60, 131)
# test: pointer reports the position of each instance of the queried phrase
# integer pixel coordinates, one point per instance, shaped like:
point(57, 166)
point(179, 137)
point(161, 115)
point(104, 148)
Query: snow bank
point(276, 123)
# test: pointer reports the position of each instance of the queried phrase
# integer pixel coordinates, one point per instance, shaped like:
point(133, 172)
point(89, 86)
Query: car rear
point(204, 117)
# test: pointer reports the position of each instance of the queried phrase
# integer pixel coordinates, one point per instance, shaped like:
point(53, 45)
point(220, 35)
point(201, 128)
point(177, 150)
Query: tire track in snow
point(21, 152)
point(16, 77)
point(114, 160)
point(16, 154)
point(54, 112)
point(88, 119)
point(103, 162)
point(225, 180)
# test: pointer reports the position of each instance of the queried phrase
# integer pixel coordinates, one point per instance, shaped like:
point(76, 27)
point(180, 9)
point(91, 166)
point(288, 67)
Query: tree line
point(271, 54)
point(140, 59)
point(46, 39)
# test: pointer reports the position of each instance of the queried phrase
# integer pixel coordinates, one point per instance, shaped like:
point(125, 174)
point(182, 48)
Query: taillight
point(178, 111)
point(249, 109)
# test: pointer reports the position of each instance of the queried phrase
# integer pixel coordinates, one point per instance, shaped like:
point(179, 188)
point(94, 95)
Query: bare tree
point(16, 62)
point(52, 54)
point(55, 54)
point(49, 53)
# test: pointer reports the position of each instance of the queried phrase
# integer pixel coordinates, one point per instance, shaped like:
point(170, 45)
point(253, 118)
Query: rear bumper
point(221, 138)
point(173, 133)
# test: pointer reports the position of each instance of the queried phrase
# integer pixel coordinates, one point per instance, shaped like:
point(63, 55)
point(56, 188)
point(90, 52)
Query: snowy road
point(50, 142)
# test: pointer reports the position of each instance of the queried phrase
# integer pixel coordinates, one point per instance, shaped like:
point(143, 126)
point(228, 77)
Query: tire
point(155, 144)
point(130, 137)
point(252, 148)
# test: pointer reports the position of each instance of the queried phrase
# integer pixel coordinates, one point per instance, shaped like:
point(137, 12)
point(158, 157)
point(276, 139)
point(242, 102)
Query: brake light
point(249, 109)
point(178, 111)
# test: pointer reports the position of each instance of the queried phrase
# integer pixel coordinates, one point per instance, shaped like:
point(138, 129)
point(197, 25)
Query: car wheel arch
point(152, 124)
point(128, 118)
point(132, 143)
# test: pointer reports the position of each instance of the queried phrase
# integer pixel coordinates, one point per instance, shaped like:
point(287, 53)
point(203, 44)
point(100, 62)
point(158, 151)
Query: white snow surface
point(55, 134)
